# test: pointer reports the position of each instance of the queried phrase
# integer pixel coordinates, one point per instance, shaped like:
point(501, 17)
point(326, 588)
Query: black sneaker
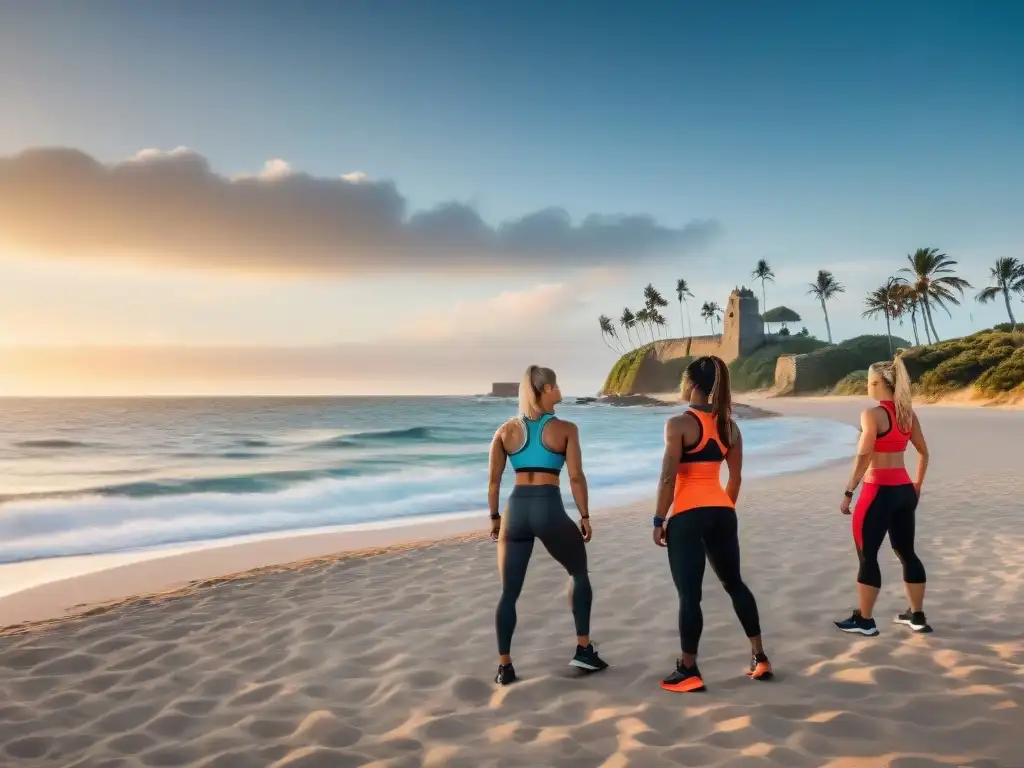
point(506, 674)
point(915, 620)
point(684, 680)
point(587, 658)
point(857, 624)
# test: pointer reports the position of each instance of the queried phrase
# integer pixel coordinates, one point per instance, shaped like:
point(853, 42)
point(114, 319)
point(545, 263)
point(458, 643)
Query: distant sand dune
point(386, 659)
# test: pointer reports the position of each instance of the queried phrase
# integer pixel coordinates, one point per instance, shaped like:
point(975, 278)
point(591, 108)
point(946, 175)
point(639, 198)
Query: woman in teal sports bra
point(538, 445)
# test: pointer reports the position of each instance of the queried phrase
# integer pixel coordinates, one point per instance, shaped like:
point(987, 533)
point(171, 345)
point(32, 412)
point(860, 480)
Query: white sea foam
point(618, 469)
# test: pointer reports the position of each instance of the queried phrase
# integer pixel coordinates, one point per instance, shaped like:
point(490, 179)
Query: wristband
point(848, 494)
point(658, 521)
point(495, 517)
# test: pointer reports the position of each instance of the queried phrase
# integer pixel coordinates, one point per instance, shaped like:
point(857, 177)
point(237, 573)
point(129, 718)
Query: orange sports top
point(698, 478)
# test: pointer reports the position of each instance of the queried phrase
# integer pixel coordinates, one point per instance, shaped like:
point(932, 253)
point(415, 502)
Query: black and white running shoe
point(915, 620)
point(587, 658)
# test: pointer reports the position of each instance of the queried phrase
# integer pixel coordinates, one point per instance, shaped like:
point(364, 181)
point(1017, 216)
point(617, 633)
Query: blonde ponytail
point(894, 374)
point(902, 397)
point(530, 389)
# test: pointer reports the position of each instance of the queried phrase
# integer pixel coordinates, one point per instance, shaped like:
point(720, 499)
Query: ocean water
point(100, 476)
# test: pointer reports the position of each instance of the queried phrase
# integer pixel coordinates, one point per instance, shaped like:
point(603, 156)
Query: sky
point(397, 197)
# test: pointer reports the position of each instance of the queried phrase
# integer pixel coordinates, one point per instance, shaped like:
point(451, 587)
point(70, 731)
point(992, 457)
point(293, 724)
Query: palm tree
point(908, 305)
point(653, 297)
point(653, 300)
point(711, 312)
point(682, 292)
point(1008, 275)
point(763, 272)
point(643, 317)
point(607, 329)
point(825, 287)
point(934, 282)
point(658, 319)
point(627, 320)
point(889, 301)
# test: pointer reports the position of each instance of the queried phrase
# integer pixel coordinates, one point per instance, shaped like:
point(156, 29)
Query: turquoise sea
point(94, 476)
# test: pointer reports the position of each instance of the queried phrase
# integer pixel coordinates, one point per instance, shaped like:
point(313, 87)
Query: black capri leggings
point(711, 533)
point(537, 512)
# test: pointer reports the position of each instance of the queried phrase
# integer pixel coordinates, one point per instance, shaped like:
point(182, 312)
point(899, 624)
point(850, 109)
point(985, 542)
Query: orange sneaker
point(760, 668)
point(684, 680)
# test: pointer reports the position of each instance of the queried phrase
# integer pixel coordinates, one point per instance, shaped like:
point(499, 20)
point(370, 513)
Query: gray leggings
point(537, 512)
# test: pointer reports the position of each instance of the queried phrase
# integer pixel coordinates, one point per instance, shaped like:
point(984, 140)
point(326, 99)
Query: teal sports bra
point(534, 456)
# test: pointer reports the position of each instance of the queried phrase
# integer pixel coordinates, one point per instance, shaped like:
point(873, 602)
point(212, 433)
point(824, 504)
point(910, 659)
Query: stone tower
point(742, 329)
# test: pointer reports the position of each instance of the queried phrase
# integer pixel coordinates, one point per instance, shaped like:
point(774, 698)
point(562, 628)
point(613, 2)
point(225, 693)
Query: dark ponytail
point(710, 375)
point(721, 401)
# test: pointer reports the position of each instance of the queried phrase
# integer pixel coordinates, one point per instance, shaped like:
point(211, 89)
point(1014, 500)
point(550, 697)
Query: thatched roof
point(780, 315)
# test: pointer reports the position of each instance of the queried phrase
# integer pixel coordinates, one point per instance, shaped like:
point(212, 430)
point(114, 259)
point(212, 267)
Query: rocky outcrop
point(505, 389)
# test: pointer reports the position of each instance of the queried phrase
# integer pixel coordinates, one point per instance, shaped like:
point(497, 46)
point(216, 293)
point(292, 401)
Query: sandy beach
point(385, 656)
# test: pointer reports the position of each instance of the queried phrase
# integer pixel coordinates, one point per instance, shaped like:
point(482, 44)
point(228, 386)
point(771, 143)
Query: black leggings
point(537, 512)
point(885, 509)
point(710, 532)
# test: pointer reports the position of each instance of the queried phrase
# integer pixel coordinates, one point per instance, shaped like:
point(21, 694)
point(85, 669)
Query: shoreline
point(98, 582)
point(160, 573)
point(29, 588)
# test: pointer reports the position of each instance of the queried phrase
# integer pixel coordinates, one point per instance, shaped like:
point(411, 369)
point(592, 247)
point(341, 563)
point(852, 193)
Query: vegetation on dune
point(991, 361)
point(1007, 376)
point(822, 369)
point(855, 383)
point(757, 370)
point(623, 373)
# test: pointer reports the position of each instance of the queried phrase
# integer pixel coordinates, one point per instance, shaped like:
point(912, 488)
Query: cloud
point(171, 208)
point(515, 313)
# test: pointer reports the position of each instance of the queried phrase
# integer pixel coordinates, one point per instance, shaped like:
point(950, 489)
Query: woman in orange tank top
point(696, 516)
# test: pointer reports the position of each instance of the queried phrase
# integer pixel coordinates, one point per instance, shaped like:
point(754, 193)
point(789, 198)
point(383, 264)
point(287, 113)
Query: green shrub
point(1004, 377)
point(757, 370)
point(920, 360)
point(855, 383)
point(623, 373)
point(981, 353)
point(822, 369)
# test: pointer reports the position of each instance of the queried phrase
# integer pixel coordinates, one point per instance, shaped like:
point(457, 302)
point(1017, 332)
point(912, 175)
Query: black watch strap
point(848, 494)
point(495, 517)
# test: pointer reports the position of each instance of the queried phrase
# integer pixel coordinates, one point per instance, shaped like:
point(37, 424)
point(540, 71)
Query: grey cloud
point(172, 208)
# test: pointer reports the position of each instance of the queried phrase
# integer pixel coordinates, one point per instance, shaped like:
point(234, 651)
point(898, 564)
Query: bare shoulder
point(511, 428)
point(566, 427)
point(734, 429)
point(512, 423)
point(871, 414)
point(678, 421)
